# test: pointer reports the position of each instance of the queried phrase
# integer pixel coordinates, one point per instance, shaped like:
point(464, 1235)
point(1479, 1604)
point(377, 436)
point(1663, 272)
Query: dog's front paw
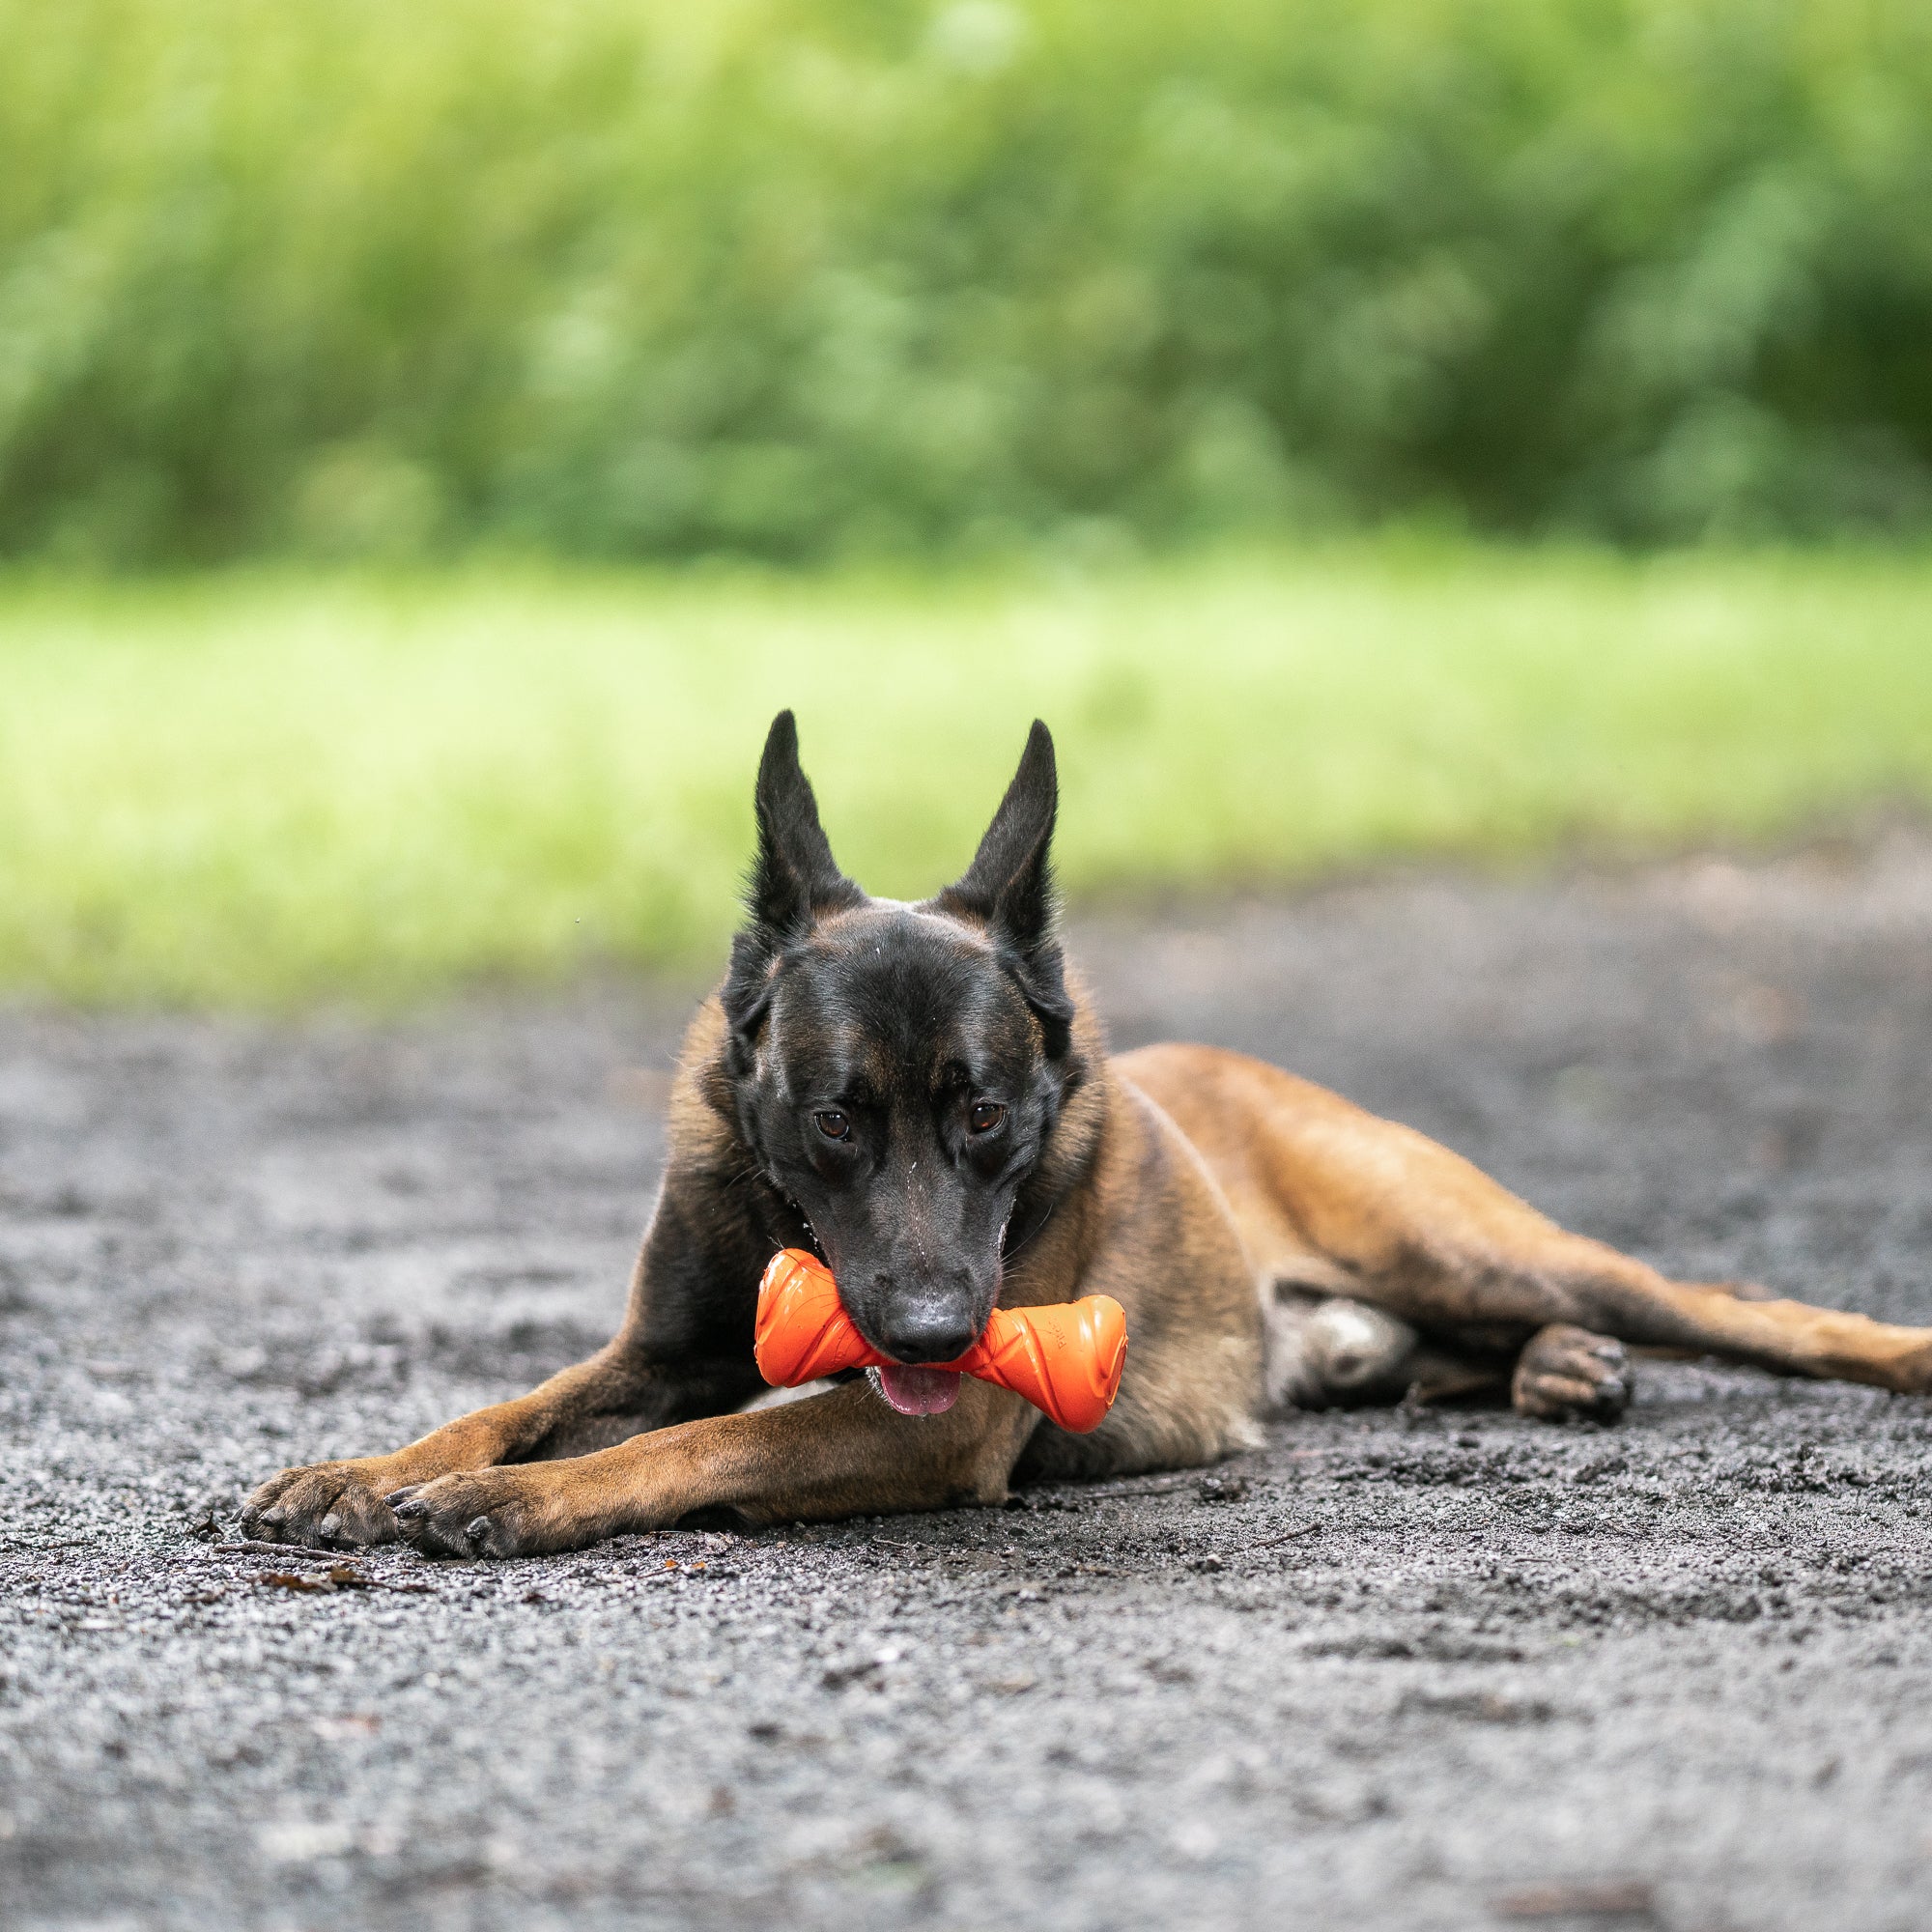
point(327, 1505)
point(484, 1513)
point(1565, 1374)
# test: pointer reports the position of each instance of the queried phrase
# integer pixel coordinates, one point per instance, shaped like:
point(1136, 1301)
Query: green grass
point(274, 790)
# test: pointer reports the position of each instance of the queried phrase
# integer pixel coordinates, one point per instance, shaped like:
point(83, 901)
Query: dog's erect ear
point(794, 877)
point(1009, 887)
point(1010, 883)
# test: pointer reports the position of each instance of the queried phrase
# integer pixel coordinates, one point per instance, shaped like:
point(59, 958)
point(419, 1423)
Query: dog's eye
point(834, 1124)
point(985, 1116)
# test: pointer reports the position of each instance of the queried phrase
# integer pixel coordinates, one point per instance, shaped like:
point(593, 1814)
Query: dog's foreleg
point(841, 1454)
point(618, 1392)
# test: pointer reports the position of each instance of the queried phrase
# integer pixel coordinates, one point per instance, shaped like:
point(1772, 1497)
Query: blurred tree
point(809, 278)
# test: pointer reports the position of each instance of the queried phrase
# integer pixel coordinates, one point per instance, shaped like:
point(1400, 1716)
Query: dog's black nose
point(928, 1334)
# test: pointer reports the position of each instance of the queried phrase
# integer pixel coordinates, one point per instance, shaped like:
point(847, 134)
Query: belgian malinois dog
point(920, 1094)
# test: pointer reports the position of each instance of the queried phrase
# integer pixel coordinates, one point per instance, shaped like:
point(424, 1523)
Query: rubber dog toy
point(1065, 1359)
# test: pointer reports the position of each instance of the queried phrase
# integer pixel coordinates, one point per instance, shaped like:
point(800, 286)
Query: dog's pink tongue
point(919, 1391)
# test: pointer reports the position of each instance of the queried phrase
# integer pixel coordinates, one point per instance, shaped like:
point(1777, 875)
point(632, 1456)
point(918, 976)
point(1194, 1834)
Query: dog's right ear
point(794, 877)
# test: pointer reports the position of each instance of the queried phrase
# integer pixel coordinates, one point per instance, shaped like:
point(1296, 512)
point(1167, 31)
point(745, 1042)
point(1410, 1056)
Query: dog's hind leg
point(1571, 1280)
point(1565, 1374)
point(1340, 1351)
point(1475, 1255)
point(1329, 1195)
point(1329, 1351)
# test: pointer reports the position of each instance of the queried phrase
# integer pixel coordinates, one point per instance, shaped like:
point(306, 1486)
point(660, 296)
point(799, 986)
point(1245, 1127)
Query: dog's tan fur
point(1205, 1191)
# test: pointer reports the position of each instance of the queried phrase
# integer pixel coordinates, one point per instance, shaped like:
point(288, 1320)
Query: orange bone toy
point(1064, 1359)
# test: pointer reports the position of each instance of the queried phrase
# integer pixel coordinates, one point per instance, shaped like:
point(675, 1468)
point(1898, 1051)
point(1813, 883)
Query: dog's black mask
point(897, 1070)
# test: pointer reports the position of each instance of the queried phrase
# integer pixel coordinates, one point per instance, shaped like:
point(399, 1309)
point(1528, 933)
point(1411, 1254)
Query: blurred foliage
point(811, 278)
point(275, 789)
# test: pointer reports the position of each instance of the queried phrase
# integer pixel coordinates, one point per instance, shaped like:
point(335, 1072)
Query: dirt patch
point(1456, 1671)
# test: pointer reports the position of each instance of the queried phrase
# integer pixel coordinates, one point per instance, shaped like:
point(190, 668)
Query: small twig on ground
point(1287, 1536)
point(1621, 1898)
point(1160, 1487)
point(337, 1576)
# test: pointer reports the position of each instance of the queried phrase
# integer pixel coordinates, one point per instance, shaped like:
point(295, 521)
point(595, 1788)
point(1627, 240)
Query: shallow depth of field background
point(433, 438)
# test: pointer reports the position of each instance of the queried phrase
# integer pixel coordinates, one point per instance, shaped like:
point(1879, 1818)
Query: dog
point(921, 1096)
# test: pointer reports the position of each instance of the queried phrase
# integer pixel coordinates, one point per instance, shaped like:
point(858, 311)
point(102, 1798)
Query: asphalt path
point(1391, 1671)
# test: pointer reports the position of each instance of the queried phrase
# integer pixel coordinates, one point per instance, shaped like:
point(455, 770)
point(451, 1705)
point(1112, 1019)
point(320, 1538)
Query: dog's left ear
point(1009, 888)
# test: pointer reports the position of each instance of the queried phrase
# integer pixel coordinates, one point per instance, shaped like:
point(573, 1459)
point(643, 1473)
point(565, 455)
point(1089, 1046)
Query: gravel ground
point(1451, 1670)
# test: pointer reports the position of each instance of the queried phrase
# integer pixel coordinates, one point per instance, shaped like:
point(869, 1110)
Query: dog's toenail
point(328, 1525)
point(478, 1530)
